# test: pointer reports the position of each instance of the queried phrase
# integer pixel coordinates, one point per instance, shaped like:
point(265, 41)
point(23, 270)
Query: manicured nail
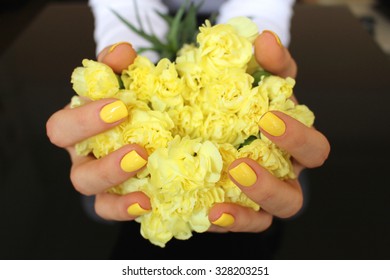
point(272, 124)
point(276, 37)
point(132, 162)
point(243, 174)
point(117, 44)
point(114, 112)
point(224, 220)
point(136, 210)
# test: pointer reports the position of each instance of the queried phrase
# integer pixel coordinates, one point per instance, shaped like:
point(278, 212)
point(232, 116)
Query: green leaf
point(168, 19)
point(248, 140)
point(182, 29)
point(173, 32)
point(153, 39)
point(258, 75)
point(190, 23)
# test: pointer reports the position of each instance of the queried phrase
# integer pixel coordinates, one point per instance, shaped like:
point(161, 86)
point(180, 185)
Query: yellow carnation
point(183, 176)
point(245, 27)
point(132, 185)
point(168, 87)
point(279, 91)
point(139, 79)
point(228, 92)
point(150, 129)
point(302, 113)
point(187, 119)
point(187, 65)
point(256, 106)
point(95, 80)
point(222, 47)
point(101, 144)
point(277, 88)
point(222, 128)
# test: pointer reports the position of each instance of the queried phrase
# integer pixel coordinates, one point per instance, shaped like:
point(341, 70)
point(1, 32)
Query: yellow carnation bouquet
point(194, 115)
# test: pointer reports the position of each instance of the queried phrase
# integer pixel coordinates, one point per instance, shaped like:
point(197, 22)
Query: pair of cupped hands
point(308, 147)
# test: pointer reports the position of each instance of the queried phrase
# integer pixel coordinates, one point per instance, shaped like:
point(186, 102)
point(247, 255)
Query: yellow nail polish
point(276, 37)
point(272, 124)
point(224, 220)
point(132, 162)
point(243, 174)
point(114, 112)
point(136, 210)
point(112, 48)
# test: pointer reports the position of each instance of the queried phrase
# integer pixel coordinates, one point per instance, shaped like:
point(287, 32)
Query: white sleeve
point(110, 30)
point(274, 15)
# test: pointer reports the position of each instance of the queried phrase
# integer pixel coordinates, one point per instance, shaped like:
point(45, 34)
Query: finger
point(236, 218)
point(118, 56)
point(279, 198)
point(122, 207)
point(92, 176)
point(306, 144)
point(274, 57)
point(69, 126)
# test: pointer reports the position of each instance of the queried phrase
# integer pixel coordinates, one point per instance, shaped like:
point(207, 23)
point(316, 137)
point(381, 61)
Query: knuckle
point(298, 141)
point(265, 195)
point(76, 178)
point(264, 223)
point(113, 209)
point(83, 124)
point(320, 159)
point(295, 207)
point(267, 222)
point(99, 208)
point(54, 134)
point(106, 178)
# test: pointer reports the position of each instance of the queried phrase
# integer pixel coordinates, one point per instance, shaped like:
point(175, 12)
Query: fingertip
point(225, 220)
point(140, 150)
point(267, 43)
point(138, 203)
point(222, 215)
point(271, 37)
point(242, 174)
point(132, 162)
point(272, 124)
point(125, 207)
point(118, 56)
point(273, 56)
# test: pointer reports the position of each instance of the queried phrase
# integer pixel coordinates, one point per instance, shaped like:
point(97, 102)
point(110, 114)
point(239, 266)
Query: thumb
point(273, 56)
point(118, 56)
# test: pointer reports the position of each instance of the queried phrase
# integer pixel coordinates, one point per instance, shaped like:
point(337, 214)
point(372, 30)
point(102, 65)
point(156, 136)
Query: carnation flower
point(150, 129)
point(168, 87)
point(94, 80)
point(245, 27)
point(194, 115)
point(221, 47)
point(138, 78)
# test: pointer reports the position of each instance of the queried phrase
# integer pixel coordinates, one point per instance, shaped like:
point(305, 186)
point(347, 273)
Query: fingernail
point(136, 210)
point(276, 37)
point(243, 174)
point(132, 162)
point(272, 124)
point(224, 220)
point(114, 112)
point(117, 44)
